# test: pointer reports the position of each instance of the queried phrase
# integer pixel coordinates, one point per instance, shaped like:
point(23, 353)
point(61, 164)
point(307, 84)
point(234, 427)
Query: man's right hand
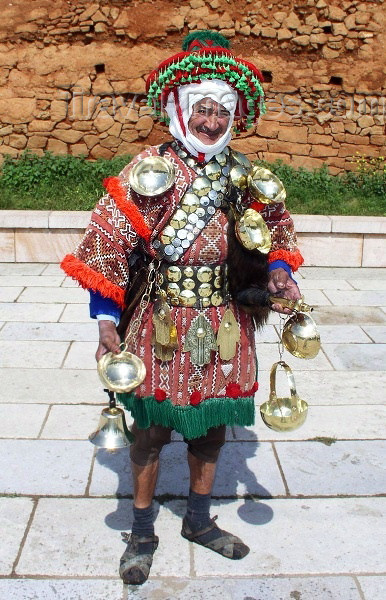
point(109, 339)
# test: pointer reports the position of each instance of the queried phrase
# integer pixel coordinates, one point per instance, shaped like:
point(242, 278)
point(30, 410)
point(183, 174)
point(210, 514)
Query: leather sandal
point(225, 543)
point(134, 567)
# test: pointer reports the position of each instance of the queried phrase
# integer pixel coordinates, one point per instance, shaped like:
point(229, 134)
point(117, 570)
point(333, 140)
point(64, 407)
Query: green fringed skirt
point(191, 421)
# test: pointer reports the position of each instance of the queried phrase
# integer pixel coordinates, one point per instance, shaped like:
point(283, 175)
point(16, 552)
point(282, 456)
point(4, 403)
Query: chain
point(280, 344)
point(135, 324)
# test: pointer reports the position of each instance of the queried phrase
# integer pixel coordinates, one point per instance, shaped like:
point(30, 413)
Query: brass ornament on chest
point(205, 290)
point(239, 177)
point(265, 186)
point(190, 202)
point(242, 160)
point(216, 299)
point(179, 219)
point(188, 272)
point(168, 234)
point(213, 170)
point(204, 274)
point(188, 284)
point(152, 176)
point(221, 159)
point(187, 298)
point(252, 231)
point(173, 273)
point(201, 186)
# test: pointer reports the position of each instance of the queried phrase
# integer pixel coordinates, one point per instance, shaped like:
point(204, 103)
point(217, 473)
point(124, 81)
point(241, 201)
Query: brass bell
point(112, 432)
point(300, 336)
point(283, 414)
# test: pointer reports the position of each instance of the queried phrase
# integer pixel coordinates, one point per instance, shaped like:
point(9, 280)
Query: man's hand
point(109, 339)
point(280, 284)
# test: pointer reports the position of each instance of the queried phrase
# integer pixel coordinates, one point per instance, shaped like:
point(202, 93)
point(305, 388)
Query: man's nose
point(212, 121)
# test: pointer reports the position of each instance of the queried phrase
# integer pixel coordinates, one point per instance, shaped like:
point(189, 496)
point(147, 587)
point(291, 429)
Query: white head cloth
point(188, 95)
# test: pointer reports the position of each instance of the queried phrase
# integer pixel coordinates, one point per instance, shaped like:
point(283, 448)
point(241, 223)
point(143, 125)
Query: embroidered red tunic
point(176, 393)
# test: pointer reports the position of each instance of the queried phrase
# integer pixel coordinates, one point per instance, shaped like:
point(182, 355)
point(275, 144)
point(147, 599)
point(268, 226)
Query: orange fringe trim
point(114, 187)
point(293, 259)
point(92, 280)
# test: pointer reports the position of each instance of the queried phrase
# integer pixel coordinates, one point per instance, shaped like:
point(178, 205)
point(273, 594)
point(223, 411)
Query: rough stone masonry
point(72, 74)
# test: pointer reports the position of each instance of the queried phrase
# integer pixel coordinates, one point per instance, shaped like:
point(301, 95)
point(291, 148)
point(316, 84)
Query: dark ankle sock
point(143, 526)
point(197, 511)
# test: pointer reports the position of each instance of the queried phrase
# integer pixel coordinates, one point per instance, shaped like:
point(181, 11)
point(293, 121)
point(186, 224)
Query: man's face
point(209, 121)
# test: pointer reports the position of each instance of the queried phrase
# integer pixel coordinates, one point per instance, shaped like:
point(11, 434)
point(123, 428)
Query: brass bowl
point(283, 414)
point(121, 372)
point(265, 186)
point(300, 336)
point(152, 176)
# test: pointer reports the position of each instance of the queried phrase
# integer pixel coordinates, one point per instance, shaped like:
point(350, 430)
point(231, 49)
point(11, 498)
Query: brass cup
point(300, 336)
point(152, 176)
point(283, 414)
point(121, 372)
point(265, 186)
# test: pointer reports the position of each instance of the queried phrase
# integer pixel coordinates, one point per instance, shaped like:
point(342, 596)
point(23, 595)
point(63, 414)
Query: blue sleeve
point(103, 306)
point(277, 264)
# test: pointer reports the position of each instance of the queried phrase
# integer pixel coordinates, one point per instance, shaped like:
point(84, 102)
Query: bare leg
point(145, 480)
point(201, 475)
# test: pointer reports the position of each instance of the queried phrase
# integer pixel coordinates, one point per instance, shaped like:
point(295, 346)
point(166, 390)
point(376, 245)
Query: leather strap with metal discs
point(197, 206)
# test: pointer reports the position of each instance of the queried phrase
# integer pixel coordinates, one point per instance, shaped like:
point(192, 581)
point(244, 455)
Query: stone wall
point(72, 74)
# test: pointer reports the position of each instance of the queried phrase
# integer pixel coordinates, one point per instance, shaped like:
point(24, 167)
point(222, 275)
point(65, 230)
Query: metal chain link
point(135, 324)
point(280, 344)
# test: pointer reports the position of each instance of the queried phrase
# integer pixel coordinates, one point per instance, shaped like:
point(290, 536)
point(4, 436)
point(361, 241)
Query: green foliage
point(54, 182)
point(74, 183)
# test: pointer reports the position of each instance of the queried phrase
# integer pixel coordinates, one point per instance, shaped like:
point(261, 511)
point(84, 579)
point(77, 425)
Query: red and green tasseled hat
point(206, 55)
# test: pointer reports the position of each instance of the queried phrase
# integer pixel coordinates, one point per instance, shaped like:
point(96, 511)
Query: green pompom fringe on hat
point(190, 421)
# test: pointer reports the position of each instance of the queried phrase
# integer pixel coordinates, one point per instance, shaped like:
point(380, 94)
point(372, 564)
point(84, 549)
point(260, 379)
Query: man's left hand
point(280, 284)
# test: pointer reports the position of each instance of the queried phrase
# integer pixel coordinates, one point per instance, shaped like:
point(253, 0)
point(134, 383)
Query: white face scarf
point(188, 95)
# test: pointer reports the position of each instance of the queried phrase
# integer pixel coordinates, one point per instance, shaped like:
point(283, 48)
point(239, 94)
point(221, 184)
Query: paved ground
point(309, 503)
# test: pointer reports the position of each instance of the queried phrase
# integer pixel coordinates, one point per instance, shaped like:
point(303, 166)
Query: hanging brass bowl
point(286, 413)
point(121, 372)
point(265, 186)
point(300, 336)
point(252, 231)
point(152, 176)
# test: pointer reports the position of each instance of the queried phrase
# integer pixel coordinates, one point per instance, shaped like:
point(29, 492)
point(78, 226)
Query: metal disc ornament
point(152, 176)
point(252, 231)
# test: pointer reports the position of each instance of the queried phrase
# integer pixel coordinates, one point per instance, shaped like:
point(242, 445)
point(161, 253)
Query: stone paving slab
point(302, 588)
point(357, 356)
point(14, 516)
point(342, 468)
point(31, 280)
point(81, 537)
point(71, 422)
point(349, 315)
point(243, 468)
point(337, 422)
point(12, 268)
point(355, 298)
point(44, 467)
point(62, 386)
point(53, 295)
point(53, 269)
point(10, 294)
point(348, 273)
point(51, 332)
point(377, 333)
point(331, 387)
point(32, 355)
point(368, 284)
point(267, 335)
point(18, 311)
point(21, 420)
point(344, 334)
point(79, 313)
point(316, 297)
point(373, 587)
point(81, 356)
point(322, 284)
point(268, 354)
point(300, 536)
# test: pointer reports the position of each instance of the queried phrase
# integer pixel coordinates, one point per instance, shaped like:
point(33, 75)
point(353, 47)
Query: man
point(196, 333)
